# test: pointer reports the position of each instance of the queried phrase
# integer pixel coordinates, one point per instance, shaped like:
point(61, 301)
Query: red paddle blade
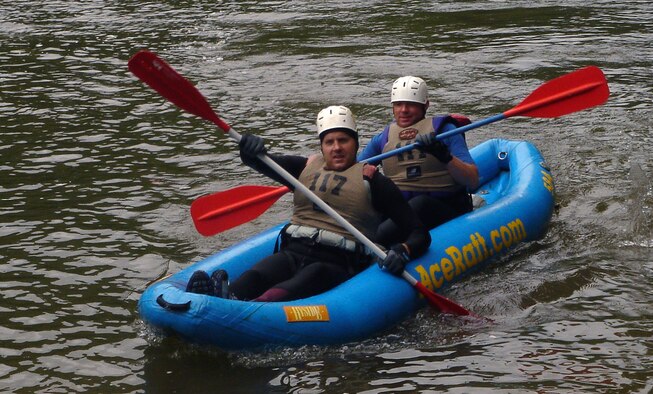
point(581, 89)
point(222, 211)
point(164, 79)
point(441, 303)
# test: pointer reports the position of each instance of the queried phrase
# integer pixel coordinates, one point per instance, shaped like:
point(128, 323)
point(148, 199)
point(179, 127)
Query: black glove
point(395, 261)
point(429, 144)
point(251, 146)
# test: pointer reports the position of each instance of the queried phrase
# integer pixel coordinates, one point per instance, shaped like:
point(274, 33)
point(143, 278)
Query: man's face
point(407, 113)
point(339, 150)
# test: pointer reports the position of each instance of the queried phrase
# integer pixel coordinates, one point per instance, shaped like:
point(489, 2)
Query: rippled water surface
point(97, 173)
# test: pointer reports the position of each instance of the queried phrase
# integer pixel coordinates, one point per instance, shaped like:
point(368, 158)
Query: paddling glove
point(251, 146)
point(429, 144)
point(396, 260)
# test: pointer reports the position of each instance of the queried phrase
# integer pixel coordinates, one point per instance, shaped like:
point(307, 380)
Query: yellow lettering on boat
point(457, 259)
point(482, 248)
point(317, 313)
point(469, 254)
point(436, 276)
point(547, 179)
point(518, 230)
point(494, 235)
point(506, 236)
point(447, 268)
point(461, 258)
point(424, 276)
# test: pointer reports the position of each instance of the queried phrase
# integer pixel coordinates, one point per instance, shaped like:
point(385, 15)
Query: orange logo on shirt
point(408, 134)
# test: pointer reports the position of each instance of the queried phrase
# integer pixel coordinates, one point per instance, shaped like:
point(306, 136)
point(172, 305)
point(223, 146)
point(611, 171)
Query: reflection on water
point(97, 174)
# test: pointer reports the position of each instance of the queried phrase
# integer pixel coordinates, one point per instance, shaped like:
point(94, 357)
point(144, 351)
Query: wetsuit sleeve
point(387, 199)
point(457, 144)
point(373, 148)
point(293, 164)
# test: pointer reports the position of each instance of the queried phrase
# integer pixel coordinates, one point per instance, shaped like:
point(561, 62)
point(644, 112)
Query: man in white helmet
point(316, 253)
point(435, 177)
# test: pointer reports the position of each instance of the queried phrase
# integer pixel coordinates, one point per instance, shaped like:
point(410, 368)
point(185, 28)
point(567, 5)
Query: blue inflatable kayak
point(517, 193)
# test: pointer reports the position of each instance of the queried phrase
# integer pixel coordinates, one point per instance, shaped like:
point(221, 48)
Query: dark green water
point(97, 174)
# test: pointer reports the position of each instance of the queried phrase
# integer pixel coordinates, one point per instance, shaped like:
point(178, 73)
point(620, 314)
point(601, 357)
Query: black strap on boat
point(172, 306)
point(280, 243)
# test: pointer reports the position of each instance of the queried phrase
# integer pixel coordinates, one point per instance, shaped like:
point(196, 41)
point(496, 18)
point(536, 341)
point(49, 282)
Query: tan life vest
point(345, 191)
point(414, 170)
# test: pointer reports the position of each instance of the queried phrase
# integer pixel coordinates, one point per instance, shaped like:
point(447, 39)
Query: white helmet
point(409, 89)
point(335, 117)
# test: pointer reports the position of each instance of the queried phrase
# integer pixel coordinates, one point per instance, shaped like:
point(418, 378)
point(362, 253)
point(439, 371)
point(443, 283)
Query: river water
point(97, 173)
